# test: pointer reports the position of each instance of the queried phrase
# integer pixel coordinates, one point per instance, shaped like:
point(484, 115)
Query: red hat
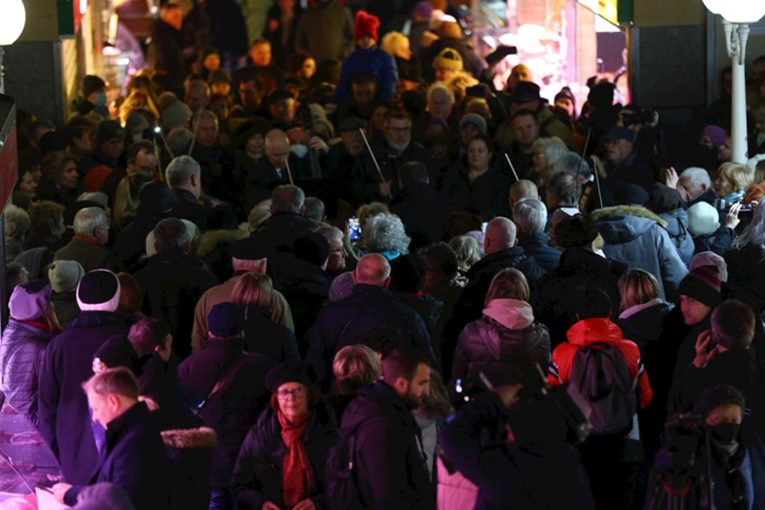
point(366, 24)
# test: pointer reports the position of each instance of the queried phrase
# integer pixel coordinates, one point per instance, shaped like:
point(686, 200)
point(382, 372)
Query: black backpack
point(341, 485)
point(601, 376)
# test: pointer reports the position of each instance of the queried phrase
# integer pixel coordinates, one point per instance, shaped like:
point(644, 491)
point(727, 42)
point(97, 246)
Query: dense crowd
point(351, 275)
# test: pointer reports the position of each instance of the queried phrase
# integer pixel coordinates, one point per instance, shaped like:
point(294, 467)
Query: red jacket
point(589, 331)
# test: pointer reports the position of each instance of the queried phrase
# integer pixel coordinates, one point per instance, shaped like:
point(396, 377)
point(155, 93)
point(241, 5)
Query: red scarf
point(38, 325)
point(297, 474)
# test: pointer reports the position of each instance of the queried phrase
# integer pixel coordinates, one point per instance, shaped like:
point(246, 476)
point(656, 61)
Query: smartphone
point(354, 229)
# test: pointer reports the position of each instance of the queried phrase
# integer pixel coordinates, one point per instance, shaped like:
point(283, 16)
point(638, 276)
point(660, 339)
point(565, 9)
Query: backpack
point(601, 376)
point(341, 485)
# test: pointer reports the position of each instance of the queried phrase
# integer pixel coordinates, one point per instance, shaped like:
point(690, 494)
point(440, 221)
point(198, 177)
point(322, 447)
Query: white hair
point(180, 170)
point(87, 220)
point(530, 216)
point(385, 232)
point(440, 87)
point(697, 176)
point(94, 196)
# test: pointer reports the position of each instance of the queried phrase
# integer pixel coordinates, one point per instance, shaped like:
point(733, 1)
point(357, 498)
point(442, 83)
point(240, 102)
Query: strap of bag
point(224, 379)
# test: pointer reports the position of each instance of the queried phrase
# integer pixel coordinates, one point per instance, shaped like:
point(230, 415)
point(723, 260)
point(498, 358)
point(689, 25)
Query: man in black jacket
point(229, 386)
point(174, 281)
point(184, 176)
point(63, 408)
point(370, 304)
point(133, 457)
point(390, 461)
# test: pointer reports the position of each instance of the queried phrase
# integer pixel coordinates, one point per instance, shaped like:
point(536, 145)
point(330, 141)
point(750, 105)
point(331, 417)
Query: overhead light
point(12, 21)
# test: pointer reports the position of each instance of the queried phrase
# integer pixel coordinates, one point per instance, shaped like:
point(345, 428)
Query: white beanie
point(703, 219)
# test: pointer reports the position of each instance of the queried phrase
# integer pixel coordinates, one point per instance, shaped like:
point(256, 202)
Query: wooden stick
point(158, 130)
point(196, 130)
point(377, 166)
point(584, 151)
point(512, 167)
point(289, 172)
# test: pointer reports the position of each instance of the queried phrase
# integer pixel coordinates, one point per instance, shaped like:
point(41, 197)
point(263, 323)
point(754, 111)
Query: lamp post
point(12, 22)
point(736, 16)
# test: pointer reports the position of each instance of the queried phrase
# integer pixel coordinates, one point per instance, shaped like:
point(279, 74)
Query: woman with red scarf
point(32, 325)
point(281, 461)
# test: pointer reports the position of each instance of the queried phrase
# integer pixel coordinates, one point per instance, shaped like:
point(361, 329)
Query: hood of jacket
point(589, 331)
point(622, 224)
point(511, 313)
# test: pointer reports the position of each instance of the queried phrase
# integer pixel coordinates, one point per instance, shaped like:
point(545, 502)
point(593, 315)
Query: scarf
point(298, 479)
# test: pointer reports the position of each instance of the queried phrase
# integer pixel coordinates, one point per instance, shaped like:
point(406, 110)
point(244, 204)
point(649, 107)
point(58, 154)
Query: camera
point(642, 116)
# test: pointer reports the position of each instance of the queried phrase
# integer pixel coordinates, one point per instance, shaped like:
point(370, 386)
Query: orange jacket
point(590, 331)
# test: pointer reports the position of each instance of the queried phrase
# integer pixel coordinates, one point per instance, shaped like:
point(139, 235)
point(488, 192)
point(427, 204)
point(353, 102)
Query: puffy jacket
point(538, 247)
point(590, 331)
point(21, 356)
point(258, 472)
point(507, 330)
point(677, 228)
point(636, 236)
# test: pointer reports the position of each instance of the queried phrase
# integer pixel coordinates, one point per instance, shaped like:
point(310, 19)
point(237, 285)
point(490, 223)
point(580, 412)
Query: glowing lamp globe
point(743, 11)
point(11, 21)
point(714, 6)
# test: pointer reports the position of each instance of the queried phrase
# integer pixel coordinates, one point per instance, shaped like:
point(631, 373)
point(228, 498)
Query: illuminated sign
point(606, 9)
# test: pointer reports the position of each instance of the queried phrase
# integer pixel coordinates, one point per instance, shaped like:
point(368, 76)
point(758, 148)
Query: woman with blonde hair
point(355, 366)
point(507, 331)
point(729, 186)
point(467, 251)
point(262, 334)
point(138, 100)
point(642, 309)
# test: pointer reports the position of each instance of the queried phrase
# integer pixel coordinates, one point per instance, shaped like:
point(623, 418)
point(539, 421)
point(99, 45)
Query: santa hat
point(366, 25)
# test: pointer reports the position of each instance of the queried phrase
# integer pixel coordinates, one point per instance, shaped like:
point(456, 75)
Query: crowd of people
point(351, 273)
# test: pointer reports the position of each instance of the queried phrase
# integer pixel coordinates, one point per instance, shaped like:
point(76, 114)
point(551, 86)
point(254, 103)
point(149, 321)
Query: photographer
point(512, 443)
point(703, 463)
point(650, 134)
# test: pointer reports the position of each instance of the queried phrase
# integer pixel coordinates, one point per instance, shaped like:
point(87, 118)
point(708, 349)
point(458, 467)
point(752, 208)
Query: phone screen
point(354, 229)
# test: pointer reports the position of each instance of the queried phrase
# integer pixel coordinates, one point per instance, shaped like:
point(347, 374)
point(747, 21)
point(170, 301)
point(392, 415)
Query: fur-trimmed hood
point(623, 224)
point(202, 437)
point(628, 210)
point(209, 241)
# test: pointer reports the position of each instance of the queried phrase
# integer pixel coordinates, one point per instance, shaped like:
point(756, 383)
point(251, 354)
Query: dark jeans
point(220, 499)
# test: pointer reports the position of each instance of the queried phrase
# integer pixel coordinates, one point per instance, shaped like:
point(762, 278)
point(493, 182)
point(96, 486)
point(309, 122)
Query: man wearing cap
point(622, 165)
point(110, 144)
point(91, 233)
point(234, 409)
point(63, 408)
point(250, 254)
point(325, 31)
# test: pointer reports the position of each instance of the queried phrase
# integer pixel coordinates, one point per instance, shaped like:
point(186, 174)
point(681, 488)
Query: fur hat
point(341, 286)
point(289, 371)
point(703, 219)
point(65, 275)
point(225, 320)
point(30, 300)
point(366, 25)
point(474, 119)
point(99, 291)
point(448, 58)
point(703, 285)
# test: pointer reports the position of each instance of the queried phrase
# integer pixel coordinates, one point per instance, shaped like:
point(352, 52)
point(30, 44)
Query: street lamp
point(12, 22)
point(736, 16)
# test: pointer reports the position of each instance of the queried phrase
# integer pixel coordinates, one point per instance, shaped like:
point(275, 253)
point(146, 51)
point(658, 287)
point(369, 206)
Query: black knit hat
point(715, 396)
point(155, 197)
point(312, 248)
point(289, 371)
point(703, 285)
point(99, 290)
point(225, 320)
point(576, 232)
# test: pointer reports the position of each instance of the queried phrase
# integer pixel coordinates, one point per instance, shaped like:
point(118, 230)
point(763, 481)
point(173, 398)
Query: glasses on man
point(285, 393)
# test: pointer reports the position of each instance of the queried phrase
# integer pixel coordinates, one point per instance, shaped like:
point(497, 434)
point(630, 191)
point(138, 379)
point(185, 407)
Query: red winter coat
point(590, 331)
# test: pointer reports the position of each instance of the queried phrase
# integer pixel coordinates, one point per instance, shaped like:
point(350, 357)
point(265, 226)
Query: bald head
point(500, 235)
point(522, 190)
point(373, 269)
point(277, 147)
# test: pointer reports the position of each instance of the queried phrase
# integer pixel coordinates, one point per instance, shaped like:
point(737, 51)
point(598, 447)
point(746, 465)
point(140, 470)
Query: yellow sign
point(606, 9)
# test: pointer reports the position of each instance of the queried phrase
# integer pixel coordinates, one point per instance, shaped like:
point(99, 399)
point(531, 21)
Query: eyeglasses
point(294, 393)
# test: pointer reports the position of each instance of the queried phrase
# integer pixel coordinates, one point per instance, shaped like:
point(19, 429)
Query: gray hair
point(314, 208)
point(287, 199)
point(179, 140)
point(385, 232)
point(570, 163)
point(180, 170)
point(697, 176)
point(553, 148)
point(171, 234)
point(530, 216)
point(466, 250)
point(440, 87)
point(94, 196)
point(329, 232)
point(87, 220)
point(17, 222)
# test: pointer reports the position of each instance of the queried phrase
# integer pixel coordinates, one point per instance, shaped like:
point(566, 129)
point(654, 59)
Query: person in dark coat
point(63, 408)
point(255, 293)
point(233, 409)
point(515, 473)
point(580, 265)
point(501, 253)
point(91, 233)
point(530, 217)
point(668, 204)
point(31, 326)
point(282, 459)
point(370, 304)
point(184, 178)
point(173, 281)
point(282, 20)
point(133, 457)
point(419, 206)
point(164, 52)
point(389, 461)
point(506, 332)
point(746, 262)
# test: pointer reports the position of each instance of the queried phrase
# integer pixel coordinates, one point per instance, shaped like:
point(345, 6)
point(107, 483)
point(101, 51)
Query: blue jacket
point(343, 322)
point(134, 460)
point(538, 247)
point(63, 407)
point(374, 61)
point(21, 356)
point(677, 228)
